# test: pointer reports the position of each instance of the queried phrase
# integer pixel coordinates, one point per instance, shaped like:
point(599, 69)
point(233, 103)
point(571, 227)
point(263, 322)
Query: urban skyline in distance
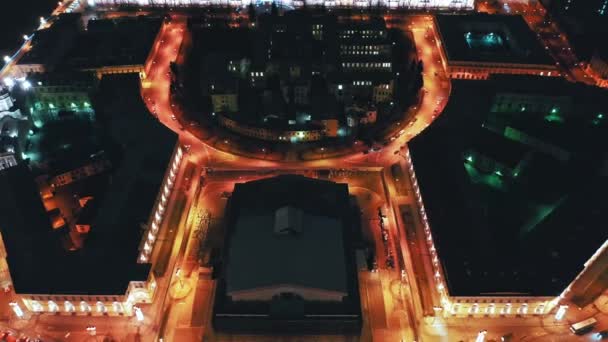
point(399, 170)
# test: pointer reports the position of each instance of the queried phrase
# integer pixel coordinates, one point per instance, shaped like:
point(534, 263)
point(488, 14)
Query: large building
point(479, 45)
point(54, 96)
point(598, 66)
point(512, 177)
point(289, 260)
point(111, 271)
point(105, 46)
point(587, 8)
point(294, 77)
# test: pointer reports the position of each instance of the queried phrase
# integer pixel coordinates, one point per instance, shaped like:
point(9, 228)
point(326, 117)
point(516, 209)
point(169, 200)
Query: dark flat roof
point(496, 147)
point(510, 240)
point(109, 42)
point(322, 232)
point(142, 151)
point(520, 45)
point(320, 257)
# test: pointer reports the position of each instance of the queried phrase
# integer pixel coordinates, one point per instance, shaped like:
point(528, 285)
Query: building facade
point(52, 95)
point(413, 4)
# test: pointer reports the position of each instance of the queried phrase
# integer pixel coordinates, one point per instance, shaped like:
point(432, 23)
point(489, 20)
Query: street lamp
point(26, 85)
point(561, 312)
point(481, 336)
point(16, 309)
point(92, 330)
point(138, 314)
point(178, 274)
point(7, 59)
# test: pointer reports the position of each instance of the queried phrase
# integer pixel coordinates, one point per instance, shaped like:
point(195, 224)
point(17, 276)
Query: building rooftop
point(492, 145)
point(111, 42)
point(140, 151)
point(530, 234)
point(302, 236)
point(493, 38)
point(322, 230)
point(49, 45)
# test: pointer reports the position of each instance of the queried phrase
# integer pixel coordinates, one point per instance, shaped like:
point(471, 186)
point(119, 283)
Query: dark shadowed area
point(19, 18)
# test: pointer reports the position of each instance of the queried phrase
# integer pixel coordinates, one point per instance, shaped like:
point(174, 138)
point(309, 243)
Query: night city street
point(357, 170)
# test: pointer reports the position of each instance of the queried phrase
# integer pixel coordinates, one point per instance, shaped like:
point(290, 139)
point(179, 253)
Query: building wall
point(496, 306)
point(270, 134)
point(521, 102)
point(7, 160)
point(22, 70)
point(6, 102)
point(138, 292)
point(366, 66)
point(90, 304)
point(225, 103)
point(119, 69)
point(414, 4)
point(47, 100)
point(592, 281)
point(267, 293)
point(82, 172)
point(146, 246)
point(383, 92)
point(599, 66)
point(481, 71)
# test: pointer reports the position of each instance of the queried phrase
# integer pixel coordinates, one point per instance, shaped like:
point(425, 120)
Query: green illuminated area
point(485, 41)
point(554, 116)
point(495, 179)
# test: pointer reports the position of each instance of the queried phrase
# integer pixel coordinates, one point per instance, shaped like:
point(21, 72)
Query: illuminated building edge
point(413, 4)
point(138, 292)
point(481, 306)
point(477, 70)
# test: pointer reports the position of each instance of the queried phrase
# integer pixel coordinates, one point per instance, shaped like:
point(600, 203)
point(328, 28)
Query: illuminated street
point(404, 299)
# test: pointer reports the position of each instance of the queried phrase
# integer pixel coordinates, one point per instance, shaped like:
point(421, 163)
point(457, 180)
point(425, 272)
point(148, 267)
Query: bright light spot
point(117, 307)
point(25, 37)
point(481, 336)
point(9, 82)
point(16, 309)
point(84, 307)
point(600, 116)
point(139, 314)
point(7, 59)
point(86, 104)
point(53, 306)
point(340, 87)
point(26, 85)
point(561, 312)
point(73, 105)
point(42, 21)
point(51, 106)
point(523, 309)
